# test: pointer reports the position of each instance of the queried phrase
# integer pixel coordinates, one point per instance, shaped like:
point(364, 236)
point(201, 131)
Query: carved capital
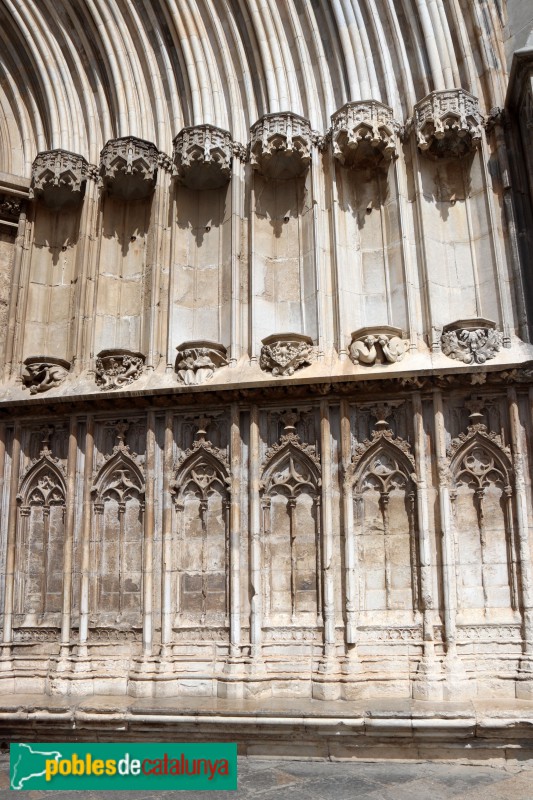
point(202, 155)
point(128, 167)
point(117, 368)
point(363, 134)
point(10, 207)
point(448, 124)
point(196, 362)
point(58, 178)
point(471, 341)
point(41, 373)
point(283, 353)
point(280, 145)
point(381, 345)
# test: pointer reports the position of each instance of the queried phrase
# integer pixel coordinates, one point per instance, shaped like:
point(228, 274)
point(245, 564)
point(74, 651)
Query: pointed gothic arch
point(291, 525)
point(40, 535)
point(200, 490)
point(117, 548)
point(383, 525)
point(483, 519)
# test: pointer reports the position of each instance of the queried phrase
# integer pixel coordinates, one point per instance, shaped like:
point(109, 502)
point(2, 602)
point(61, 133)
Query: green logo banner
point(123, 766)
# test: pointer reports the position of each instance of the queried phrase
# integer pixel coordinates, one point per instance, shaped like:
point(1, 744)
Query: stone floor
point(323, 780)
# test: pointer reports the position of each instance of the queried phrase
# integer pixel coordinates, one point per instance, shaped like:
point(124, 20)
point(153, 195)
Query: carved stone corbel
point(197, 361)
point(380, 345)
point(203, 155)
point(283, 353)
point(363, 134)
point(280, 145)
point(128, 167)
point(471, 341)
point(58, 178)
point(41, 373)
point(118, 368)
point(448, 124)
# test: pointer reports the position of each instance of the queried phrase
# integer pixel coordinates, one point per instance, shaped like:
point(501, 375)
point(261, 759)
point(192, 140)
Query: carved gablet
point(283, 353)
point(380, 345)
point(128, 167)
point(202, 155)
point(363, 134)
point(120, 477)
point(448, 124)
point(280, 145)
point(41, 373)
point(118, 368)
point(44, 483)
point(472, 341)
point(58, 178)
point(197, 361)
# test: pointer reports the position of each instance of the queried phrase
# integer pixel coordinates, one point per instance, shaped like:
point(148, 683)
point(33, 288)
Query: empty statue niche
point(117, 538)
point(385, 525)
point(122, 304)
point(283, 269)
point(291, 555)
point(49, 324)
point(459, 239)
point(200, 539)
point(484, 531)
point(369, 246)
point(201, 265)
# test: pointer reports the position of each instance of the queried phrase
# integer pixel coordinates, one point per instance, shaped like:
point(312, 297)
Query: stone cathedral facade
point(266, 349)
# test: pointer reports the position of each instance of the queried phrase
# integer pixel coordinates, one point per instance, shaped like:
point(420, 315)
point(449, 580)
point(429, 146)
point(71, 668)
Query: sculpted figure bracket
point(380, 345)
point(283, 353)
point(41, 373)
point(118, 368)
point(197, 361)
point(471, 341)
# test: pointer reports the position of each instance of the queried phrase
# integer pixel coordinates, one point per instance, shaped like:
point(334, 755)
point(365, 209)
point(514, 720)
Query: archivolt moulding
point(283, 353)
point(448, 124)
point(363, 134)
point(197, 361)
point(128, 167)
point(379, 345)
point(58, 178)
point(41, 373)
point(472, 341)
point(280, 145)
point(203, 155)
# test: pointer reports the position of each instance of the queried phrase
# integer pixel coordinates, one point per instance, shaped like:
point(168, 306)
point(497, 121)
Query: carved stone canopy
point(128, 167)
point(118, 368)
point(363, 134)
point(203, 155)
point(280, 145)
point(197, 361)
point(448, 124)
point(472, 341)
point(58, 178)
point(283, 353)
point(41, 373)
point(378, 345)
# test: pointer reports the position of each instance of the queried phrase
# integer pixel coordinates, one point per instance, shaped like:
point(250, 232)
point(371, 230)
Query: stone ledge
point(477, 730)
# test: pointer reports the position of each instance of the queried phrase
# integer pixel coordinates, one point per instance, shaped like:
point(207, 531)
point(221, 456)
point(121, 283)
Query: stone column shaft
point(69, 535)
point(14, 296)
point(166, 627)
point(11, 539)
point(350, 547)
point(327, 531)
point(256, 607)
point(235, 533)
point(88, 518)
point(423, 522)
point(149, 516)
